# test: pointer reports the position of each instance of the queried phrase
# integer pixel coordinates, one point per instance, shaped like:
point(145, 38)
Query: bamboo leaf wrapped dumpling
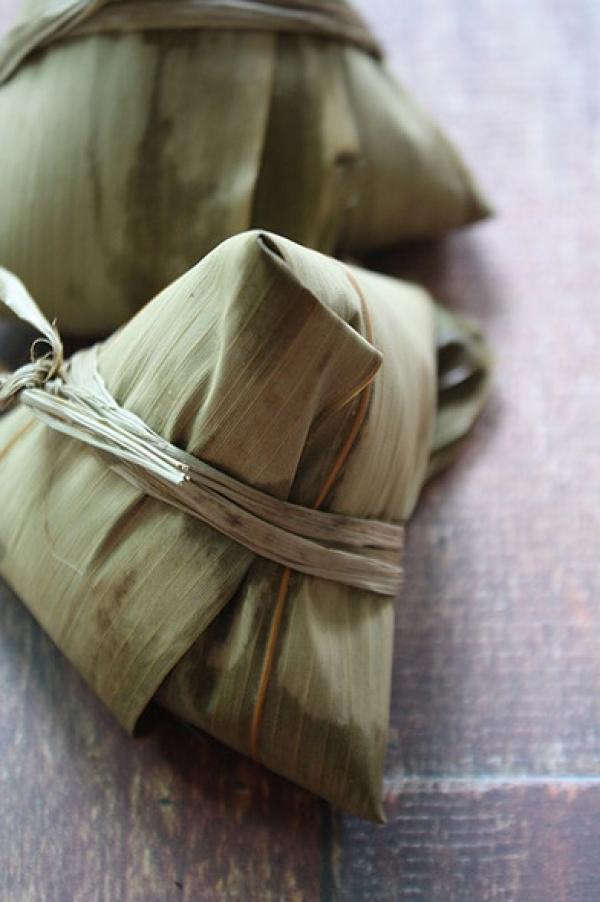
point(143, 133)
point(293, 383)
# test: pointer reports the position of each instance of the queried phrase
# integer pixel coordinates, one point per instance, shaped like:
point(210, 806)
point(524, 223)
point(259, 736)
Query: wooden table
point(493, 772)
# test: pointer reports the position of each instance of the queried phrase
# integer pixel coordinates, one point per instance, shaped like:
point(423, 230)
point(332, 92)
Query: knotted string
point(72, 398)
point(41, 369)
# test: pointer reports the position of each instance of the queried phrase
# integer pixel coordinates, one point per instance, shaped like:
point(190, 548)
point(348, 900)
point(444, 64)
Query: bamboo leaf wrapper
point(139, 149)
point(256, 361)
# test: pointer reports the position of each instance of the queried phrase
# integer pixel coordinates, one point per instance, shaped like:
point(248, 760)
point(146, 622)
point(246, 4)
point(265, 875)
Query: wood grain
point(452, 841)
point(493, 765)
point(493, 787)
point(87, 813)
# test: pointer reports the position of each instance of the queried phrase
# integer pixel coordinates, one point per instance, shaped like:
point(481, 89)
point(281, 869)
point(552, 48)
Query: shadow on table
point(456, 269)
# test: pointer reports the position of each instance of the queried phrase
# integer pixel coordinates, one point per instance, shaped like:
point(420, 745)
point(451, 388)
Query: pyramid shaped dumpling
point(134, 152)
point(312, 382)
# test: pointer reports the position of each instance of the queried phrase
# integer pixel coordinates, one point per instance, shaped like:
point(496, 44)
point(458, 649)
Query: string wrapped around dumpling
point(315, 385)
point(143, 133)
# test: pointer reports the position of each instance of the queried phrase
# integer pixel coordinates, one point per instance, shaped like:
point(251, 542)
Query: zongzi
point(208, 508)
point(139, 134)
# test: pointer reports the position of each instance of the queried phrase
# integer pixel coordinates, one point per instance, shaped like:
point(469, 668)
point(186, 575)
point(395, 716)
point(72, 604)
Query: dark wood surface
point(493, 772)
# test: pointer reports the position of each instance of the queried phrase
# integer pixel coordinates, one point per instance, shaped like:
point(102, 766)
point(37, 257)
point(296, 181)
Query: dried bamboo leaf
point(254, 361)
point(133, 154)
